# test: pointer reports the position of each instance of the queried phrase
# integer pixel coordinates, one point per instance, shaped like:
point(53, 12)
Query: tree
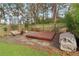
point(74, 13)
point(55, 11)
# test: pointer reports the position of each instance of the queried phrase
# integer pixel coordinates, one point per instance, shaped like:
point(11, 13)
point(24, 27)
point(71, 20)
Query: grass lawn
point(7, 49)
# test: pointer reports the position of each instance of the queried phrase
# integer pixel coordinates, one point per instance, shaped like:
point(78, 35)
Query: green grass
point(7, 49)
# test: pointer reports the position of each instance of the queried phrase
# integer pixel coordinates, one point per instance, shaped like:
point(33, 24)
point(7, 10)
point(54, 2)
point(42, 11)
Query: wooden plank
point(41, 35)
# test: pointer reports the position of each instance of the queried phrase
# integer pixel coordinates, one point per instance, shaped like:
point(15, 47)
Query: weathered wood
point(41, 35)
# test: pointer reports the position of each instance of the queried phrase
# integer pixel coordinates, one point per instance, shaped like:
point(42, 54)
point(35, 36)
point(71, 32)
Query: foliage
point(5, 28)
point(72, 19)
point(69, 22)
point(46, 21)
point(26, 25)
point(60, 20)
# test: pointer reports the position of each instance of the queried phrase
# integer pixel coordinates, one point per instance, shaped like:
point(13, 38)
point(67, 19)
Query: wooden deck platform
point(41, 35)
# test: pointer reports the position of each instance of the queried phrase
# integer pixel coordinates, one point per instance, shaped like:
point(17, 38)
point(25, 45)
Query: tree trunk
point(54, 8)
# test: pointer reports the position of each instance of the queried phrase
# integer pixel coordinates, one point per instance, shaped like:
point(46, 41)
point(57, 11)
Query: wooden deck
point(41, 35)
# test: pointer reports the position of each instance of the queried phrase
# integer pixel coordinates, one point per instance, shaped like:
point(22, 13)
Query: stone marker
point(67, 42)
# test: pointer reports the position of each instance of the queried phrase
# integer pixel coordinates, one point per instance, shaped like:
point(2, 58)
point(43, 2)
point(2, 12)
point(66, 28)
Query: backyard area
point(21, 45)
point(39, 29)
point(8, 49)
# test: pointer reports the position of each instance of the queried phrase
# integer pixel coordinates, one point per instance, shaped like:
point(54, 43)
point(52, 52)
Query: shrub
point(69, 22)
point(72, 24)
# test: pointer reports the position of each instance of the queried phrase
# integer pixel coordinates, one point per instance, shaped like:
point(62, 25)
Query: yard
point(21, 46)
point(28, 29)
point(16, 46)
point(13, 49)
point(7, 49)
point(9, 46)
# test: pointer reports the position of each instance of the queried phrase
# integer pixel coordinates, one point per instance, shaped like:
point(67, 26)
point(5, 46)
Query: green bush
point(72, 24)
point(69, 22)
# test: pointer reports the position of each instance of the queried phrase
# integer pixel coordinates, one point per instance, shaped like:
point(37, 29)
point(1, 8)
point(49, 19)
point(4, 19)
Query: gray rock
point(67, 42)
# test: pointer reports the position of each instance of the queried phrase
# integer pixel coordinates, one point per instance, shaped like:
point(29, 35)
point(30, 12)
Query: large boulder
point(67, 42)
